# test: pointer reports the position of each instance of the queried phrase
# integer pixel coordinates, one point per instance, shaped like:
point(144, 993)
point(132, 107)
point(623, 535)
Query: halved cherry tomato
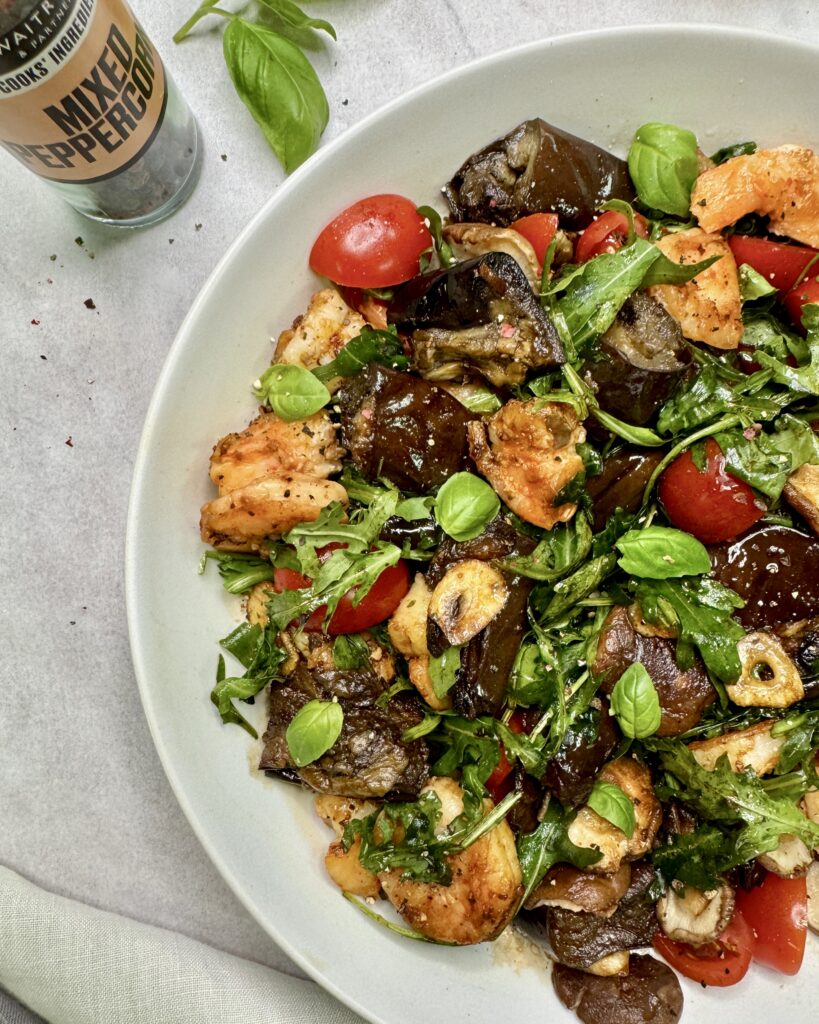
point(607, 233)
point(805, 292)
point(779, 264)
point(378, 603)
point(777, 911)
point(720, 963)
point(500, 782)
point(539, 229)
point(712, 505)
point(375, 243)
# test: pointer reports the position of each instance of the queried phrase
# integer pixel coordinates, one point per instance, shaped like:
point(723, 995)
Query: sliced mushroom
point(468, 240)
point(746, 748)
point(590, 830)
point(790, 859)
point(649, 994)
point(567, 887)
point(408, 626)
point(783, 688)
point(802, 492)
point(467, 599)
point(611, 966)
point(813, 897)
point(695, 917)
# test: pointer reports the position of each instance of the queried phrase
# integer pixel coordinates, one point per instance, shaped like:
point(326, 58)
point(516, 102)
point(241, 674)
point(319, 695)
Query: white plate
point(727, 85)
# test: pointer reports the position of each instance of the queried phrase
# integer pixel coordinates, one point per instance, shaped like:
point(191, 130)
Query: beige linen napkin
point(72, 964)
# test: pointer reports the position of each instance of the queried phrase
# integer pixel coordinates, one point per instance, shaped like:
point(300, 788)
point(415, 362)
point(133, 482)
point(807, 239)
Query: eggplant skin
point(626, 471)
point(585, 749)
point(403, 428)
point(649, 994)
point(772, 599)
point(537, 168)
point(370, 758)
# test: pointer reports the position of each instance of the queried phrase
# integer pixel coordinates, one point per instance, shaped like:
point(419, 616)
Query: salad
point(526, 526)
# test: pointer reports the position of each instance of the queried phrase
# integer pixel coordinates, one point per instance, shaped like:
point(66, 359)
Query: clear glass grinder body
point(86, 104)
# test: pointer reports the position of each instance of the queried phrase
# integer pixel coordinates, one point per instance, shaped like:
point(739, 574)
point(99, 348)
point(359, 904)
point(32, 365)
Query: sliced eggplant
point(626, 472)
point(537, 168)
point(481, 315)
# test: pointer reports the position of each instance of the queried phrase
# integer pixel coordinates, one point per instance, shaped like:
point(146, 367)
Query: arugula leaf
point(611, 803)
point(585, 403)
point(802, 740)
point(549, 844)
point(332, 527)
point(695, 858)
point(729, 152)
point(766, 460)
point(350, 651)
point(666, 271)
point(567, 592)
point(260, 655)
point(440, 245)
point(725, 796)
point(239, 571)
point(702, 610)
point(752, 285)
point(370, 346)
point(658, 552)
point(562, 549)
point(471, 748)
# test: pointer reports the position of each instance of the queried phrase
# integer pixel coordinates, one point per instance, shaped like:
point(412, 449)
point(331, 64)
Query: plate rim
point(176, 353)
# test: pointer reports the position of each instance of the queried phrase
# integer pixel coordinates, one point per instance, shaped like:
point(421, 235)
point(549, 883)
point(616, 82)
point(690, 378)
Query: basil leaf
point(611, 803)
point(663, 165)
point(752, 285)
point(292, 392)
point(370, 346)
point(464, 505)
point(659, 553)
point(313, 730)
point(562, 549)
point(549, 844)
point(294, 17)
point(280, 88)
point(635, 703)
point(443, 671)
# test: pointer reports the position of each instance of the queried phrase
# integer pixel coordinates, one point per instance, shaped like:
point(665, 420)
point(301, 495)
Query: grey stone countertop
point(85, 807)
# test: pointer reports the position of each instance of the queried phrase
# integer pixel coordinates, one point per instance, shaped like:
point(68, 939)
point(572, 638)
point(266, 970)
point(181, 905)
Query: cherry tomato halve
point(712, 505)
point(375, 243)
point(378, 603)
point(538, 229)
point(806, 291)
point(777, 911)
point(607, 233)
point(779, 264)
point(720, 963)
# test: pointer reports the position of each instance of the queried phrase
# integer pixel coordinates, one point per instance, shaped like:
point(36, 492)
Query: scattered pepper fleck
point(36, 323)
point(170, 241)
point(223, 156)
point(69, 441)
point(89, 304)
point(53, 257)
point(44, 358)
point(197, 227)
point(79, 241)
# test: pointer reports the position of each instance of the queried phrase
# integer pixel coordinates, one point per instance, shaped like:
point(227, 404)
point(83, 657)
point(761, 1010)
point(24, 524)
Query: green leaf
point(635, 703)
point(413, 509)
point(401, 930)
point(313, 730)
point(370, 346)
point(478, 398)
point(350, 651)
point(666, 271)
point(765, 460)
point(659, 553)
point(243, 643)
point(440, 245)
point(292, 392)
point(611, 803)
point(464, 505)
point(560, 551)
point(443, 671)
point(752, 285)
point(568, 591)
point(664, 165)
point(240, 572)
point(260, 655)
point(729, 152)
point(587, 402)
point(702, 611)
point(549, 844)
point(280, 88)
point(295, 17)
point(593, 293)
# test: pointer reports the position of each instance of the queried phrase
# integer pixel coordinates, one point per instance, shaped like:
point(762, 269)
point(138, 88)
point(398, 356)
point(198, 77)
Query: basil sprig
point(635, 703)
point(292, 392)
point(660, 553)
point(611, 803)
point(313, 730)
point(464, 505)
point(663, 164)
point(271, 74)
